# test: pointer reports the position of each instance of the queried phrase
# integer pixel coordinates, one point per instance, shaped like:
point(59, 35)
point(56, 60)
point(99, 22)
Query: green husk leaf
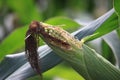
point(89, 63)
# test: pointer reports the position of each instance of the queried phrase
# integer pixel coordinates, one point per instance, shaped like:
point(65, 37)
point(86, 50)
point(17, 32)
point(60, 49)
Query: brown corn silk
point(35, 30)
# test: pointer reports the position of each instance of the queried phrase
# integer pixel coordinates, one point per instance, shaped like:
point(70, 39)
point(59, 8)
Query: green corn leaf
point(26, 10)
point(117, 10)
point(118, 32)
point(113, 41)
point(116, 7)
point(101, 26)
point(16, 42)
point(107, 52)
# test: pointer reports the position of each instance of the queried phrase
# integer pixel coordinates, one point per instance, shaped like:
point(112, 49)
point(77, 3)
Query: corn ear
point(86, 61)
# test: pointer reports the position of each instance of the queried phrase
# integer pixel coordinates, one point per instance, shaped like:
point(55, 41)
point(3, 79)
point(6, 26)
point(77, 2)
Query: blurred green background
point(16, 13)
